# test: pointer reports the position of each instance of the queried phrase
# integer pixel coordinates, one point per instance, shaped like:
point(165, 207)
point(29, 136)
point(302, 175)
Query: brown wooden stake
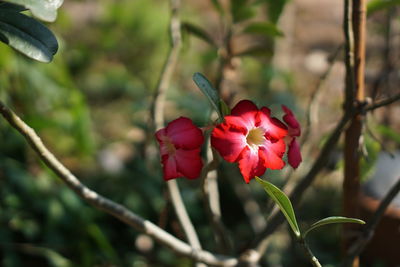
point(355, 96)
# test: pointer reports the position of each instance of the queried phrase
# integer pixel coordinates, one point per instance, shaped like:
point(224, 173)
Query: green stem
point(314, 261)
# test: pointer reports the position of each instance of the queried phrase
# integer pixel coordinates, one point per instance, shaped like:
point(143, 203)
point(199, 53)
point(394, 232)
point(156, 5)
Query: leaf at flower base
point(27, 35)
point(265, 28)
point(225, 110)
point(45, 10)
point(332, 220)
point(283, 202)
point(209, 91)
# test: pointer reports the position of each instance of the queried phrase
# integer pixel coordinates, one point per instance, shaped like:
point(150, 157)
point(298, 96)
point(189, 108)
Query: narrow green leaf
point(332, 220)
point(27, 35)
point(225, 110)
point(283, 202)
point(198, 32)
point(275, 9)
point(377, 5)
point(265, 28)
point(45, 10)
point(208, 90)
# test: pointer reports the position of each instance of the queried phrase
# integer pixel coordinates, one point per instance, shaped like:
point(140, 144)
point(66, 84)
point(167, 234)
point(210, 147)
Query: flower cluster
point(248, 136)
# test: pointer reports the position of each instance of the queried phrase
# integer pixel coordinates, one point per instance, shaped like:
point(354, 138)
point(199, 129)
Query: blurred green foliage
point(91, 107)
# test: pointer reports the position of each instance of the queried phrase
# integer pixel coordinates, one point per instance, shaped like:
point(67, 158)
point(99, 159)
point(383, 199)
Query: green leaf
point(241, 10)
point(209, 91)
point(265, 28)
point(283, 202)
point(198, 32)
point(275, 9)
point(12, 7)
point(27, 35)
point(225, 110)
point(42, 9)
point(332, 220)
point(377, 5)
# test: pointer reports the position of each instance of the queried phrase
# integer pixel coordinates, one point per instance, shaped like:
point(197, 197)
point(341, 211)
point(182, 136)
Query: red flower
point(180, 144)
point(294, 154)
point(252, 138)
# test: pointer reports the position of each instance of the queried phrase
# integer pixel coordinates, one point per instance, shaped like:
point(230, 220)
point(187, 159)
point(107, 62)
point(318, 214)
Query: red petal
point(272, 154)
point(228, 141)
point(243, 107)
point(184, 134)
point(169, 168)
point(274, 128)
point(294, 154)
point(189, 162)
point(248, 111)
point(160, 135)
point(250, 164)
point(291, 121)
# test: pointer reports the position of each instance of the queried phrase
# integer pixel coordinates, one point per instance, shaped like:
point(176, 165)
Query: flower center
point(169, 146)
point(255, 137)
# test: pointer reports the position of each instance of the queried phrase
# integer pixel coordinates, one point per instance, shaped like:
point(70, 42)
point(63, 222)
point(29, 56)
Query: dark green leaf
point(283, 202)
point(208, 90)
point(264, 28)
point(275, 9)
point(198, 32)
point(42, 9)
point(377, 5)
point(11, 7)
point(241, 10)
point(332, 220)
point(27, 35)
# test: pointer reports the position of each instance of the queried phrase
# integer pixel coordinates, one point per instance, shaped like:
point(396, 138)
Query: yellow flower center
point(255, 137)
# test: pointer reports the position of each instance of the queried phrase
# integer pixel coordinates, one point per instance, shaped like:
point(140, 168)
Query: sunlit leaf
point(332, 220)
point(27, 35)
point(42, 9)
point(209, 91)
point(283, 202)
point(376, 5)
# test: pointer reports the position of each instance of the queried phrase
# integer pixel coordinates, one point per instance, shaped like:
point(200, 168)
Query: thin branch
point(312, 111)
point(382, 103)
point(158, 120)
point(314, 261)
point(100, 202)
point(369, 229)
point(212, 203)
point(169, 66)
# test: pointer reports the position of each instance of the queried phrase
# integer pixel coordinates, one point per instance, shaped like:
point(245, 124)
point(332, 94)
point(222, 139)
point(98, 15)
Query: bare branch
point(100, 202)
point(369, 229)
point(382, 103)
point(158, 120)
point(212, 203)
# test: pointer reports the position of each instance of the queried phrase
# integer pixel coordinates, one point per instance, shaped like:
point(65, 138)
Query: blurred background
point(91, 106)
